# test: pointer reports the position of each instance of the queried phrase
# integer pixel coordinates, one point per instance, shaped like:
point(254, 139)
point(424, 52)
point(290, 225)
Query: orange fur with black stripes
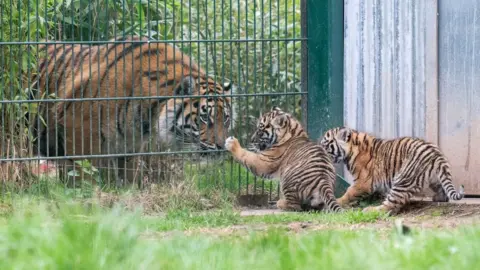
point(398, 168)
point(198, 123)
point(283, 150)
point(132, 69)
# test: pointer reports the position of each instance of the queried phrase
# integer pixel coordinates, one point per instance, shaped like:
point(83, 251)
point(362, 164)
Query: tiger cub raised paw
point(231, 143)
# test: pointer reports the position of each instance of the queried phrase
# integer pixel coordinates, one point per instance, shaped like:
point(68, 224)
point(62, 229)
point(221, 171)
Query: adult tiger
point(398, 168)
point(194, 119)
point(135, 68)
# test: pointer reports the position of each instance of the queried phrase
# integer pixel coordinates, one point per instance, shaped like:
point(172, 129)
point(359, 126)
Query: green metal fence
point(53, 112)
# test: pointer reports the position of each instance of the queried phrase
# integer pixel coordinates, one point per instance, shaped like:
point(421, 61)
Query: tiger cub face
point(273, 128)
point(337, 143)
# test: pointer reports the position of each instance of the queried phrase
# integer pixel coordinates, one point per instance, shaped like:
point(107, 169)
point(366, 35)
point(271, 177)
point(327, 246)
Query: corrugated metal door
point(390, 69)
point(412, 68)
point(459, 89)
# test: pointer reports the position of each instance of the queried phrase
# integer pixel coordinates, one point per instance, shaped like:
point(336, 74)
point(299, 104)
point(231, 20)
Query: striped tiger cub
point(397, 168)
point(132, 69)
point(282, 149)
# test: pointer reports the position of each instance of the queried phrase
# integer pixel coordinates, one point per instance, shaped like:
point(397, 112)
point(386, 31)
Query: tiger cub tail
point(445, 176)
point(327, 199)
point(331, 202)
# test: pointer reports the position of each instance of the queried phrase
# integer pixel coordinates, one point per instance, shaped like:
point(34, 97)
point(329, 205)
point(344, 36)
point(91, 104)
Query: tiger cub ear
point(185, 87)
point(280, 121)
point(344, 134)
point(276, 109)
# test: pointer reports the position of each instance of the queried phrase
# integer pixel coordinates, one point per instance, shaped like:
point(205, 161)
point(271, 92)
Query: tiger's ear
point(228, 86)
point(344, 134)
point(275, 108)
point(280, 121)
point(185, 87)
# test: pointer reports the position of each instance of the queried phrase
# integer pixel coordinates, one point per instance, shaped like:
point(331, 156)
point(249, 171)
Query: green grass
point(276, 249)
point(50, 227)
point(177, 214)
point(231, 176)
point(69, 236)
point(348, 217)
point(188, 220)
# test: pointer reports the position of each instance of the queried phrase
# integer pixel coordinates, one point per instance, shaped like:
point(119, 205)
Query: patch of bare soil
point(427, 214)
point(417, 215)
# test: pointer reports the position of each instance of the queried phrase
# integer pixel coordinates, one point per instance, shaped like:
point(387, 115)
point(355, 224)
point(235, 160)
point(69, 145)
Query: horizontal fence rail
point(147, 42)
point(56, 100)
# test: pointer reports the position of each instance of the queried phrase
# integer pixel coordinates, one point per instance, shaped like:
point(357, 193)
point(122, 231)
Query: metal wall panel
point(412, 68)
point(390, 67)
point(386, 70)
point(459, 89)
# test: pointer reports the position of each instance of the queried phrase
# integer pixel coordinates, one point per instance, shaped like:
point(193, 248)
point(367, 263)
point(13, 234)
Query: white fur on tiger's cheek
point(164, 124)
point(230, 143)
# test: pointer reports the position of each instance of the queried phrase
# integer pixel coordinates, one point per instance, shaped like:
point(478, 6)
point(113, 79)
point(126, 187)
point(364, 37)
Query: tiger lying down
point(398, 168)
point(140, 78)
point(283, 150)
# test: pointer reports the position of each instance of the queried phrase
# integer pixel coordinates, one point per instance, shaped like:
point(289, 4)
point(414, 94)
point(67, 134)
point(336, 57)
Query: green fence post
point(323, 65)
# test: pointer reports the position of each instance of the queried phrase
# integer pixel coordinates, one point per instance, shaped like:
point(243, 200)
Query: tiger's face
point(274, 127)
point(202, 123)
point(336, 142)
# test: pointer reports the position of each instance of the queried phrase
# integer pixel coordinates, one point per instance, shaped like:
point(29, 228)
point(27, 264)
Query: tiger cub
point(283, 150)
point(397, 168)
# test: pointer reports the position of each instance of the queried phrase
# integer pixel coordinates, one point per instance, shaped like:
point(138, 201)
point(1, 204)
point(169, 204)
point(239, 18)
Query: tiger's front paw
point(343, 202)
point(231, 144)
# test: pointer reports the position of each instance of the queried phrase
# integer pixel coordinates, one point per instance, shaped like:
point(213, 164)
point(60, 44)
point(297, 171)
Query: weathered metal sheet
point(390, 67)
point(385, 65)
point(459, 89)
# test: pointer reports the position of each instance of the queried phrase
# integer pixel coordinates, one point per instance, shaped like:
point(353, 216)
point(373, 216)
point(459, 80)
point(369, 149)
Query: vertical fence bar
point(324, 30)
point(323, 63)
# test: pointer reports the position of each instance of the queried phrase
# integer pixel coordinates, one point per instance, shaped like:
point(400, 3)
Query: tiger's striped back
point(399, 167)
point(283, 150)
point(309, 175)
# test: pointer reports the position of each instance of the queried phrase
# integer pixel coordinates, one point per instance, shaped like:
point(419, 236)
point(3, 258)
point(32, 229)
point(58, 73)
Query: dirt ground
point(417, 215)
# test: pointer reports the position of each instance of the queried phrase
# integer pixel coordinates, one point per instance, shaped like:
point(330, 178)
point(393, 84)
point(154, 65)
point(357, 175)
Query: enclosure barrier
point(112, 96)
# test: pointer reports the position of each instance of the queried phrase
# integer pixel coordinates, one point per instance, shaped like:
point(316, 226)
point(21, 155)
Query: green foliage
point(86, 167)
point(219, 30)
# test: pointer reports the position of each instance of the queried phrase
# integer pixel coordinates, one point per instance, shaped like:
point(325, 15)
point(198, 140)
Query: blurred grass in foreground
point(39, 235)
